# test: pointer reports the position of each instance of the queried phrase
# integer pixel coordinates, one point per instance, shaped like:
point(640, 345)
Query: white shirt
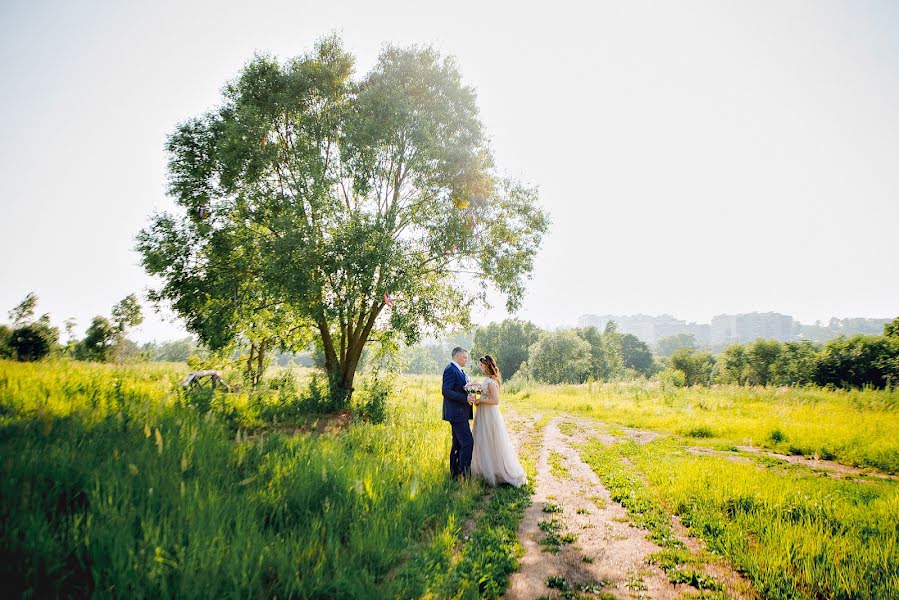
point(460, 370)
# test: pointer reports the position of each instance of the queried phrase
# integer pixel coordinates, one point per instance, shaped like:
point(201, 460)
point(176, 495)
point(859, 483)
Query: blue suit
point(458, 412)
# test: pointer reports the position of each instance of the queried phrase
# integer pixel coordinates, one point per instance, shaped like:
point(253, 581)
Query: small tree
point(667, 345)
point(636, 355)
point(24, 312)
point(98, 341)
point(507, 341)
point(560, 357)
point(34, 341)
point(696, 366)
point(761, 356)
point(126, 313)
point(859, 361)
point(28, 340)
point(419, 360)
point(606, 360)
point(733, 365)
point(105, 338)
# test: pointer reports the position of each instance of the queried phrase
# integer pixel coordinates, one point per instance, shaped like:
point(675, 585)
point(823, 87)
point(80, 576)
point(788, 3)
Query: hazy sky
point(697, 158)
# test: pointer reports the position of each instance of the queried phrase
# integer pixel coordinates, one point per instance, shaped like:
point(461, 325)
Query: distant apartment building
point(746, 327)
point(724, 329)
point(702, 332)
point(648, 328)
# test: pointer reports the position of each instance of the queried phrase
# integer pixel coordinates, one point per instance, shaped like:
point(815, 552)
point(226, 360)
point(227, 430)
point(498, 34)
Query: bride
point(494, 459)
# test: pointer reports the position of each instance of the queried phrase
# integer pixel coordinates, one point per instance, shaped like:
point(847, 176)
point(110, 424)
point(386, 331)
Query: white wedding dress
point(493, 458)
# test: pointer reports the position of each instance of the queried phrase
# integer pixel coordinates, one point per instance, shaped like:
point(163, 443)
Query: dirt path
point(616, 550)
point(609, 553)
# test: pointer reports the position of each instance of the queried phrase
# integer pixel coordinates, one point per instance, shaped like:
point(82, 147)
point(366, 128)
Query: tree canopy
point(312, 201)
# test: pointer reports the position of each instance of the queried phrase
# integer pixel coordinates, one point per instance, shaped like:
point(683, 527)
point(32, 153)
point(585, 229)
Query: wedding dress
point(493, 458)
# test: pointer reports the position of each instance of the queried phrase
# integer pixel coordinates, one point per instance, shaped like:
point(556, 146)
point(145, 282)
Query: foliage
point(761, 355)
point(859, 361)
point(372, 406)
point(98, 341)
point(636, 355)
point(696, 366)
point(891, 329)
point(666, 346)
point(24, 312)
point(420, 360)
point(560, 357)
point(6, 350)
point(507, 341)
point(171, 351)
point(126, 313)
point(606, 361)
point(27, 339)
point(105, 338)
point(33, 341)
point(796, 364)
point(310, 196)
point(732, 365)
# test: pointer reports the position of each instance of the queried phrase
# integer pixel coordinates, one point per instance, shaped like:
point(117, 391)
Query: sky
point(696, 158)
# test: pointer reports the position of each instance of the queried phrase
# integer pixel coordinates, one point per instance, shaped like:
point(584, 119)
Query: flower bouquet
point(473, 388)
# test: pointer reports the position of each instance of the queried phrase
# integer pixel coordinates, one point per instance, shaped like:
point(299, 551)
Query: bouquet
point(473, 388)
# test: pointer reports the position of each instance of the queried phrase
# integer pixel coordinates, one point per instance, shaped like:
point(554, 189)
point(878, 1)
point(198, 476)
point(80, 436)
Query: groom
point(457, 409)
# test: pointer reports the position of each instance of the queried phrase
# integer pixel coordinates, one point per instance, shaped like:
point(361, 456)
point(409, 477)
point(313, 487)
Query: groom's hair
point(458, 350)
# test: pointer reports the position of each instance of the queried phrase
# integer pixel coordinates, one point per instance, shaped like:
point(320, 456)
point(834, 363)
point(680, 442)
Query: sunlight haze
point(696, 158)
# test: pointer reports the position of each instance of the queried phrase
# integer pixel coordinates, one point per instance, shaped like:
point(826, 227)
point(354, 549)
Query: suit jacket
point(455, 398)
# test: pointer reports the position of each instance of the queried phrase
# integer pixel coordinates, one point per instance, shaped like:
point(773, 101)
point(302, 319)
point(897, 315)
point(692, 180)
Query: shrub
point(373, 404)
point(696, 366)
point(33, 341)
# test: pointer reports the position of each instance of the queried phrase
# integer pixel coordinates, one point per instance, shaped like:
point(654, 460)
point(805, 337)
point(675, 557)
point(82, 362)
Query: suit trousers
point(460, 451)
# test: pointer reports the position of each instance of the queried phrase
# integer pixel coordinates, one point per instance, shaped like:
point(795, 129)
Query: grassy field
point(854, 427)
point(794, 531)
point(116, 485)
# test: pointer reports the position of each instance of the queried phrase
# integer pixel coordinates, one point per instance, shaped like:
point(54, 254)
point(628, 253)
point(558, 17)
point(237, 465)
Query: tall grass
point(115, 484)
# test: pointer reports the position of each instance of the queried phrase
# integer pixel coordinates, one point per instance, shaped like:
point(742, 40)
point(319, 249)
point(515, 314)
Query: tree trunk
point(260, 365)
point(250, 362)
point(342, 369)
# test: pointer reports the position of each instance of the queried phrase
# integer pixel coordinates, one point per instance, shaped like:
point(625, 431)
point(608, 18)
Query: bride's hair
point(492, 368)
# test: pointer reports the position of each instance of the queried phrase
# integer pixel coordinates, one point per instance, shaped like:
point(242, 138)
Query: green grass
point(557, 466)
point(793, 532)
point(116, 484)
point(854, 427)
point(552, 507)
point(625, 487)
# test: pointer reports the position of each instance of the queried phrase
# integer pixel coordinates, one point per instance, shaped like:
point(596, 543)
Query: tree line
point(578, 355)
point(27, 338)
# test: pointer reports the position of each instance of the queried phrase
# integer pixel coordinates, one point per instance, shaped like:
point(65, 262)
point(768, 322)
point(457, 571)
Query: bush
point(696, 366)
point(33, 341)
point(672, 378)
point(371, 403)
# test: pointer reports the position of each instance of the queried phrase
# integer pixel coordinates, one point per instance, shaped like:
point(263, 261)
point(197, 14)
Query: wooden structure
point(195, 379)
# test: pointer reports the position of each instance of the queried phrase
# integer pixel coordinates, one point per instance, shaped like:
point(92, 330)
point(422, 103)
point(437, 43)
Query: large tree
point(312, 201)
